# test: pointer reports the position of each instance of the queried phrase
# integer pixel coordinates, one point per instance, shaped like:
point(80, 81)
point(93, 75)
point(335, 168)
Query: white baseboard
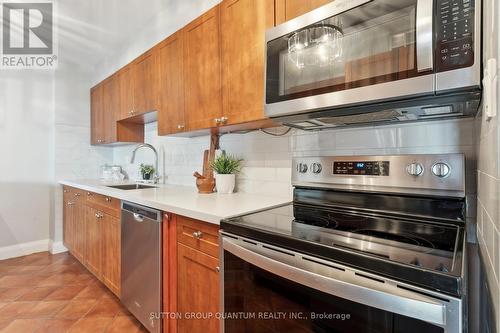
point(56, 247)
point(23, 249)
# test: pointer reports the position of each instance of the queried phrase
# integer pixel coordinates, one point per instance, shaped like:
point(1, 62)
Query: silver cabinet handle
point(77, 194)
point(99, 215)
point(70, 203)
point(108, 199)
point(217, 269)
point(217, 121)
point(224, 120)
point(180, 127)
point(406, 303)
point(424, 26)
point(197, 234)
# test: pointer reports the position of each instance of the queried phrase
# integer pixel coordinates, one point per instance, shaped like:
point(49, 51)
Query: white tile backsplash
point(267, 159)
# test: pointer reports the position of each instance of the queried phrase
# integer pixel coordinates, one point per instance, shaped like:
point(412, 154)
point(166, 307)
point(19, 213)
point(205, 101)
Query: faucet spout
point(156, 176)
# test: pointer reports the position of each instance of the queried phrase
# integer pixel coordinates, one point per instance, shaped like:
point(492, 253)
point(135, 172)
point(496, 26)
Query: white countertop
point(184, 200)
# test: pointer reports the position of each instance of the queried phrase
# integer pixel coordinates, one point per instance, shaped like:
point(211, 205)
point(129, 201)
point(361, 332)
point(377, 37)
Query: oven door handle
point(424, 33)
point(407, 303)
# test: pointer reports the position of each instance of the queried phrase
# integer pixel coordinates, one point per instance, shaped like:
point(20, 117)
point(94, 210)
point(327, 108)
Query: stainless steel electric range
point(370, 244)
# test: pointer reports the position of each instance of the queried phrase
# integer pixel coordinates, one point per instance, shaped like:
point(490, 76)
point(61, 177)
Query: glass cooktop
point(422, 245)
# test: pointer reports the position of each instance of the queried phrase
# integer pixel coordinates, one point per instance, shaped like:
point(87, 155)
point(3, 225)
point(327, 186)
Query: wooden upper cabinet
point(171, 56)
point(290, 9)
point(126, 92)
point(202, 76)
point(111, 106)
point(96, 115)
point(243, 26)
point(146, 81)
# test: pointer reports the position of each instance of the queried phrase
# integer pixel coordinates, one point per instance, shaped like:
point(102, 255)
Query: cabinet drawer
point(198, 235)
point(108, 205)
point(72, 194)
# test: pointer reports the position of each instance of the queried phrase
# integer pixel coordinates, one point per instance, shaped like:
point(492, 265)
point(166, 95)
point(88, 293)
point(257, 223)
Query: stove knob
point(415, 169)
point(441, 170)
point(316, 167)
point(302, 167)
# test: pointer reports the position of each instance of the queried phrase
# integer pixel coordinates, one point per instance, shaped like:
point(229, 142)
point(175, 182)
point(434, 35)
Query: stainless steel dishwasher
point(141, 264)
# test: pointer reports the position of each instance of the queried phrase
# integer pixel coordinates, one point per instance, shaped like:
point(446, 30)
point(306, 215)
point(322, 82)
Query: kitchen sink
point(131, 186)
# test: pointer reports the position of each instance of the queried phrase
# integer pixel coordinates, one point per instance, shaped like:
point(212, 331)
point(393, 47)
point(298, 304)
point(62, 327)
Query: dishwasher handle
point(138, 217)
point(140, 213)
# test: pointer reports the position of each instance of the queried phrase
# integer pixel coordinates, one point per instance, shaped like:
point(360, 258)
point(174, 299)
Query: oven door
point(350, 52)
point(269, 289)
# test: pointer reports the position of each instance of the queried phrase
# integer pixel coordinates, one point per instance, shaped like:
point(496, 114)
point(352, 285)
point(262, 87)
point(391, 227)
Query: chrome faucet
point(156, 176)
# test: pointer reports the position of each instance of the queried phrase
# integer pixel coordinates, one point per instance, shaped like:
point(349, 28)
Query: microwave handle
point(414, 306)
point(424, 32)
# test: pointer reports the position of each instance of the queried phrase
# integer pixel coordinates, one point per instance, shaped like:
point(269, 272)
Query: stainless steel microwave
point(366, 61)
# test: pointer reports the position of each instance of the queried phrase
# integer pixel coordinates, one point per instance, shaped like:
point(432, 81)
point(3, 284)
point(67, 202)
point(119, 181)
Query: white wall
point(488, 173)
point(26, 125)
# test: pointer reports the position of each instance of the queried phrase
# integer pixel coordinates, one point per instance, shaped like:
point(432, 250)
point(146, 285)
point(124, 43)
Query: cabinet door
point(146, 81)
point(111, 93)
point(111, 254)
point(243, 26)
point(96, 115)
point(126, 93)
point(171, 114)
point(290, 9)
point(79, 221)
point(68, 224)
point(197, 289)
point(202, 77)
point(93, 241)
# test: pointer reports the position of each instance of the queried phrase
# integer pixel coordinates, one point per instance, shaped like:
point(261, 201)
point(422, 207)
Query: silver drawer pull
point(197, 234)
point(138, 217)
point(71, 203)
point(108, 199)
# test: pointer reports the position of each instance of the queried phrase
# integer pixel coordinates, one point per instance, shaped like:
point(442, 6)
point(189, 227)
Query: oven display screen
point(362, 168)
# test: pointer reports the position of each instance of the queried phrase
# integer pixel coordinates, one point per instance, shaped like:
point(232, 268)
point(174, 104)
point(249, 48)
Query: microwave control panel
point(455, 34)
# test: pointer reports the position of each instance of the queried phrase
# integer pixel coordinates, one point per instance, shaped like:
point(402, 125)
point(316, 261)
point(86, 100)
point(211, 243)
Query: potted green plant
point(147, 171)
point(225, 167)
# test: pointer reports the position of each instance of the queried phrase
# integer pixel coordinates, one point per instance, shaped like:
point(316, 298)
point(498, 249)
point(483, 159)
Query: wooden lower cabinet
point(94, 244)
point(74, 222)
point(111, 253)
point(79, 229)
point(92, 233)
point(197, 290)
point(190, 274)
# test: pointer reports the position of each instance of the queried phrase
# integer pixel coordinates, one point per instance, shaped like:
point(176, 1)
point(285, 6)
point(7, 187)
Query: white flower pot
point(225, 183)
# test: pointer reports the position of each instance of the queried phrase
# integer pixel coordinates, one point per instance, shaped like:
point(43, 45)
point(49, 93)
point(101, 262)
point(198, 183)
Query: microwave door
point(378, 50)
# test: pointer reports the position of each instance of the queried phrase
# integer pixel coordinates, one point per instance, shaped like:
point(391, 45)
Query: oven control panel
point(369, 168)
point(455, 31)
point(436, 174)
